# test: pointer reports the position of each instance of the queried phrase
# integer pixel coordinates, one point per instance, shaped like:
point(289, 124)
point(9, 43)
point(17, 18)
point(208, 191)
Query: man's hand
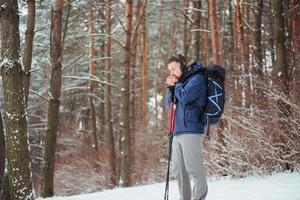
point(171, 80)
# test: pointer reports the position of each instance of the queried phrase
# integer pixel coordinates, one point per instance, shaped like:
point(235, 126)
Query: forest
point(83, 83)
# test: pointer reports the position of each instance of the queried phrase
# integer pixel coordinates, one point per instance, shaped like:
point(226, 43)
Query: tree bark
point(245, 58)
point(20, 180)
point(158, 75)
point(238, 54)
point(110, 141)
point(258, 56)
point(260, 99)
point(281, 62)
point(281, 76)
point(92, 74)
point(206, 53)
point(240, 33)
point(214, 31)
point(125, 173)
point(2, 155)
point(145, 85)
point(196, 25)
point(133, 94)
point(103, 76)
point(173, 40)
point(5, 191)
point(271, 32)
point(296, 50)
point(217, 59)
point(47, 179)
point(186, 31)
point(28, 47)
point(231, 45)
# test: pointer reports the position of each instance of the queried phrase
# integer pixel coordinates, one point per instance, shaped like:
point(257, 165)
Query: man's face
point(174, 68)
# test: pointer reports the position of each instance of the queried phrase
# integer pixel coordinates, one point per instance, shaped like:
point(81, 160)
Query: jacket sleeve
point(188, 93)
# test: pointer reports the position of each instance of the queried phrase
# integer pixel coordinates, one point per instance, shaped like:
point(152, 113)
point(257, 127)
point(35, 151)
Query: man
point(187, 160)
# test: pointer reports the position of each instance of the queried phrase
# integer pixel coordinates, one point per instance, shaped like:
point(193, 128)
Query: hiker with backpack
point(189, 92)
point(195, 98)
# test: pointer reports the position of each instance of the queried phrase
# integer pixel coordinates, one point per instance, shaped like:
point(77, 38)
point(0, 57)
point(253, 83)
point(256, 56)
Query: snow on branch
point(200, 30)
point(38, 94)
point(73, 61)
point(91, 79)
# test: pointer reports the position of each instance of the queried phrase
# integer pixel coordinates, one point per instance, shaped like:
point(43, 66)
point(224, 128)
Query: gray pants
point(187, 162)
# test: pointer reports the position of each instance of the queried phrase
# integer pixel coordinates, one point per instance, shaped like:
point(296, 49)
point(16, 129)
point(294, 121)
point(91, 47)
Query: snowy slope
point(283, 186)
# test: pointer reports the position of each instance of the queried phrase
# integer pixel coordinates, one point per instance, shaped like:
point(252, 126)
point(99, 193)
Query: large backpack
point(214, 76)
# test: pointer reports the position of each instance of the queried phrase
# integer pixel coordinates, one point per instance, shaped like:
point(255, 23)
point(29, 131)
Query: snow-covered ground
point(283, 186)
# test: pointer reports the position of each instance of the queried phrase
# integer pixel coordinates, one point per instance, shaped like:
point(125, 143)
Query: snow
point(279, 74)
point(7, 62)
point(281, 186)
point(3, 6)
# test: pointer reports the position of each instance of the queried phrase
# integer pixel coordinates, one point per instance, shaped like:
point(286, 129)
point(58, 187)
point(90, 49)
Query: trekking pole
point(170, 135)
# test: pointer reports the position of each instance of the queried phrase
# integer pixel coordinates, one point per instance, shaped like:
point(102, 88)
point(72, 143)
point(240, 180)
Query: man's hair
point(179, 58)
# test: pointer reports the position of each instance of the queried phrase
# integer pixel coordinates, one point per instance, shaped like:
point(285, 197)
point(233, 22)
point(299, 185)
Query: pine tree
point(125, 162)
point(214, 31)
point(28, 46)
point(92, 74)
point(258, 55)
point(110, 140)
point(2, 154)
point(20, 181)
point(47, 179)
point(281, 77)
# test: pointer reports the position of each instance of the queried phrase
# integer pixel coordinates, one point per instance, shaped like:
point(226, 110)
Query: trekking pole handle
point(173, 97)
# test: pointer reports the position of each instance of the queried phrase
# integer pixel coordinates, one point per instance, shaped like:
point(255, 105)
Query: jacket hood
point(195, 67)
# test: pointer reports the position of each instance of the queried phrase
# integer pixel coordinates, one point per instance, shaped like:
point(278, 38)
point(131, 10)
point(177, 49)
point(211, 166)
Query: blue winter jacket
point(191, 98)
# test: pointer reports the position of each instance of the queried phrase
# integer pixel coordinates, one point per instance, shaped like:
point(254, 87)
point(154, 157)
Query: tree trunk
point(47, 179)
point(214, 31)
point(145, 88)
point(272, 33)
point(217, 59)
point(4, 183)
point(196, 25)
point(260, 99)
point(241, 56)
point(28, 46)
point(2, 155)
point(239, 29)
point(186, 31)
point(281, 77)
point(102, 97)
point(110, 141)
point(133, 94)
point(5, 189)
point(125, 173)
point(281, 61)
point(231, 63)
point(20, 180)
point(245, 58)
point(158, 74)
point(164, 72)
point(295, 90)
point(238, 41)
point(92, 74)
point(206, 42)
point(258, 56)
point(173, 39)
point(103, 77)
